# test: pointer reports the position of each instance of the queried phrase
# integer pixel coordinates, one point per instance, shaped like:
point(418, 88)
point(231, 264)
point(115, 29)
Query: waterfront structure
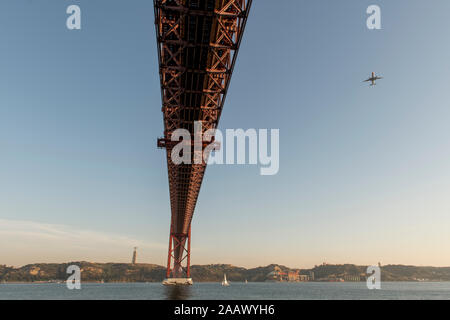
point(352, 278)
point(278, 275)
point(294, 275)
point(303, 278)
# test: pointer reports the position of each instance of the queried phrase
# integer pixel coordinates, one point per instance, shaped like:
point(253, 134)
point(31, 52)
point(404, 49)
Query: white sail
point(225, 282)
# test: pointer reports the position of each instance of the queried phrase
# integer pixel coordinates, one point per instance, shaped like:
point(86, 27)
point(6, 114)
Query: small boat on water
point(246, 281)
point(224, 281)
point(177, 281)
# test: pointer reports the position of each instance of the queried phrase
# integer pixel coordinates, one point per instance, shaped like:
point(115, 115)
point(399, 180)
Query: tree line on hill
point(142, 272)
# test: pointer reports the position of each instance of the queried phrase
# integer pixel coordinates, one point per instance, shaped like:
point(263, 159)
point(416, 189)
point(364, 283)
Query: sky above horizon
point(364, 172)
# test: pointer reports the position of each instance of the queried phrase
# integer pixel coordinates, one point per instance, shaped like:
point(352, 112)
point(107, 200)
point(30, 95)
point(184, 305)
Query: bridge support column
point(179, 259)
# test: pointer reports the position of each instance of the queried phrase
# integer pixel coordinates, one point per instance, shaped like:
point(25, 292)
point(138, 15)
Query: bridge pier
point(179, 254)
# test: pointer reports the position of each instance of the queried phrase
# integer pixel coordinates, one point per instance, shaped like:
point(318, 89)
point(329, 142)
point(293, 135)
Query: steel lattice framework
point(198, 42)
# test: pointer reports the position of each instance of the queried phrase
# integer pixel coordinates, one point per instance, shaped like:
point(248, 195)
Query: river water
point(214, 291)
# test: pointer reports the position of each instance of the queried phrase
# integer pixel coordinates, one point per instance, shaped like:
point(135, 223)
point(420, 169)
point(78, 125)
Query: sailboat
point(225, 282)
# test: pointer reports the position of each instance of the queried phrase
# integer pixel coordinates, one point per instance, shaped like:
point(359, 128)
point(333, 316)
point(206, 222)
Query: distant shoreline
point(210, 282)
point(130, 273)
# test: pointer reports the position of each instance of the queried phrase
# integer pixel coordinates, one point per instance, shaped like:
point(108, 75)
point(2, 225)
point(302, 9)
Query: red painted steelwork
point(198, 42)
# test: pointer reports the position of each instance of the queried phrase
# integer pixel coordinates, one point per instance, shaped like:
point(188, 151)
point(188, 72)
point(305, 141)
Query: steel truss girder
point(198, 42)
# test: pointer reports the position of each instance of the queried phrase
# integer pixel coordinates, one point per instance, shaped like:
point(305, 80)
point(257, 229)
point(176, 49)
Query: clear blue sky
point(364, 172)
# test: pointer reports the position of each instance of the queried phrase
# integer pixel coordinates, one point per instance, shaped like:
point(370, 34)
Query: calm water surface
point(214, 291)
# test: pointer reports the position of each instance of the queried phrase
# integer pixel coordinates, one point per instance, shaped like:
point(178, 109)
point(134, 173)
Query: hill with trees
point(142, 272)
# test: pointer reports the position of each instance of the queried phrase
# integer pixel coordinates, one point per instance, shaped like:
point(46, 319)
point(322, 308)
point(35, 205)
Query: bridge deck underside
point(198, 42)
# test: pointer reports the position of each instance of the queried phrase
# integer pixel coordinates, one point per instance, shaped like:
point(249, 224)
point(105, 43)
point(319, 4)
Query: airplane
point(372, 79)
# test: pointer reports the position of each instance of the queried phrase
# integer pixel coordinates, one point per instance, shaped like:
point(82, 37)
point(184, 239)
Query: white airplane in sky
point(372, 79)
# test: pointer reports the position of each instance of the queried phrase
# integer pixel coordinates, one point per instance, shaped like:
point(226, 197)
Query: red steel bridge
point(198, 43)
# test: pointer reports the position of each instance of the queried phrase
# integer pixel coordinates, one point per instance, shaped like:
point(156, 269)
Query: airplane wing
point(367, 80)
point(378, 78)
